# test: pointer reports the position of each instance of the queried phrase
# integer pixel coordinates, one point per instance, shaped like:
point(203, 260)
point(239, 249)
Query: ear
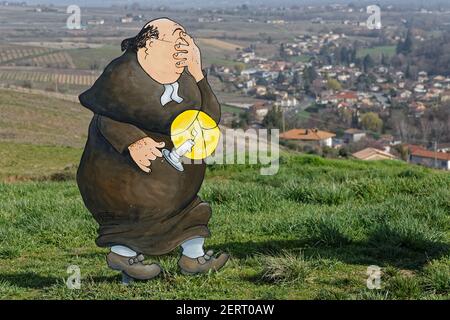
point(149, 43)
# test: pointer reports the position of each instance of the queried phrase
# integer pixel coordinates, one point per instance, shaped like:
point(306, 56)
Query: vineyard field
point(78, 78)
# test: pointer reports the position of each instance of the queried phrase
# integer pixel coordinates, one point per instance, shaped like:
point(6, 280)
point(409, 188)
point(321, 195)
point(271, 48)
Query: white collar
point(170, 94)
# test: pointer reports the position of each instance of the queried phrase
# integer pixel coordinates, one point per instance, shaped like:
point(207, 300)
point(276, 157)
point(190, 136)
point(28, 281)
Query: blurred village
point(326, 100)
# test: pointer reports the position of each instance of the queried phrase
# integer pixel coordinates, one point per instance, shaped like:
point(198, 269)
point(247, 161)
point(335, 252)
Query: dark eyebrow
point(176, 30)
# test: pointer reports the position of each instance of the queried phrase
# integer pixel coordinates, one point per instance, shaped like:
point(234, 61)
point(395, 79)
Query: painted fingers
point(144, 151)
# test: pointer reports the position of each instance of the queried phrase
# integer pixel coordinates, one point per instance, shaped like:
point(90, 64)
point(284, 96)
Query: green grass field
point(376, 52)
point(99, 57)
point(231, 109)
point(308, 232)
point(210, 59)
point(302, 58)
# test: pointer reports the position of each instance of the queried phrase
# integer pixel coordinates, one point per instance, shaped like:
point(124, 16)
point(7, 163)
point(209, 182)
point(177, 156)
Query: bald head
point(161, 29)
point(155, 48)
point(165, 25)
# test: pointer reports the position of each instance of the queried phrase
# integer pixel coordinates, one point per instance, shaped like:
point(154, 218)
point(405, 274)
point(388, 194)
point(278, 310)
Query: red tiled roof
point(419, 152)
point(413, 147)
point(347, 95)
point(306, 134)
point(369, 153)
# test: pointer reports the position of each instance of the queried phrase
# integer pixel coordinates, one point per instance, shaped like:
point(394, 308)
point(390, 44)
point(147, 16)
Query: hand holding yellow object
point(197, 126)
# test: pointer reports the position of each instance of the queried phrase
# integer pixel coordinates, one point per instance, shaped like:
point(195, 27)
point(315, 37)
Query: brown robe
point(151, 213)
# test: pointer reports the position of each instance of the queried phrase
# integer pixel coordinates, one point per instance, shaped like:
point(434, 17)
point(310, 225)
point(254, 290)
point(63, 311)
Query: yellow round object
point(198, 126)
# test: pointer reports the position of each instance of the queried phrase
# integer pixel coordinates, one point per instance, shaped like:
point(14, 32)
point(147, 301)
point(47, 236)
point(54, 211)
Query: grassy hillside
point(22, 162)
point(40, 119)
point(309, 232)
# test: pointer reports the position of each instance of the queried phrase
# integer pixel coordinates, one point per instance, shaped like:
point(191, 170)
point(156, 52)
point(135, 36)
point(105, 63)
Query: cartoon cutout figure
point(153, 98)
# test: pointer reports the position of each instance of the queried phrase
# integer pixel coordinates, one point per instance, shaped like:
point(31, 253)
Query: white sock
point(193, 248)
point(123, 251)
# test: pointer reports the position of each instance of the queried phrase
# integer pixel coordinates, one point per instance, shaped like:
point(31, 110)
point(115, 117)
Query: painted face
point(157, 58)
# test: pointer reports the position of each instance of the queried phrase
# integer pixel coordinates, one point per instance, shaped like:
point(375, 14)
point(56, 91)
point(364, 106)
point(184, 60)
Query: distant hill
point(230, 3)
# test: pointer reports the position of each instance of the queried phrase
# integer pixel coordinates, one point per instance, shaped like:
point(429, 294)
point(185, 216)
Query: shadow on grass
point(30, 280)
point(380, 248)
point(105, 279)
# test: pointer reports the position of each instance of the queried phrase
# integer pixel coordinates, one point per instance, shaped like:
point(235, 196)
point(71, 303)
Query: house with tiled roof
point(443, 147)
point(445, 96)
point(309, 136)
point(373, 154)
point(259, 110)
point(344, 96)
point(353, 135)
point(439, 160)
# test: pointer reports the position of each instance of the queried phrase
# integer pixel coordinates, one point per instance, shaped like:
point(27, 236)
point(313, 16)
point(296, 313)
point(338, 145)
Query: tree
point(368, 63)
point(405, 47)
point(392, 92)
point(281, 78)
point(282, 53)
point(344, 153)
point(309, 75)
point(334, 84)
point(408, 72)
point(27, 84)
point(295, 79)
point(384, 60)
point(213, 68)
point(408, 44)
point(238, 68)
point(353, 53)
point(273, 119)
point(363, 82)
point(402, 150)
point(343, 55)
point(242, 121)
point(371, 121)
